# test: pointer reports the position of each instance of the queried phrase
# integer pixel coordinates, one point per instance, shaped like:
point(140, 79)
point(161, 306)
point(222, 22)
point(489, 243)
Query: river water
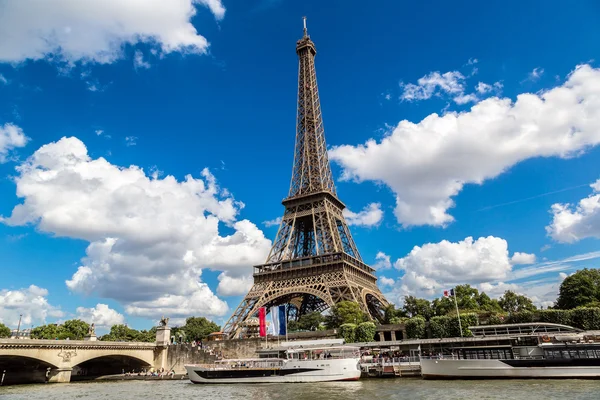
point(367, 389)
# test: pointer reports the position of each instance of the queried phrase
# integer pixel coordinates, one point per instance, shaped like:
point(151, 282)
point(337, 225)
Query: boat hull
point(293, 371)
point(507, 369)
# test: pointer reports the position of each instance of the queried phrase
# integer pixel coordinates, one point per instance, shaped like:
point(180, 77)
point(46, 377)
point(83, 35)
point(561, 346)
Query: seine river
point(367, 389)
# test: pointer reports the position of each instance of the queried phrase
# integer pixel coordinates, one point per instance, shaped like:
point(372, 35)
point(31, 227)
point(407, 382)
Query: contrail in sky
point(531, 198)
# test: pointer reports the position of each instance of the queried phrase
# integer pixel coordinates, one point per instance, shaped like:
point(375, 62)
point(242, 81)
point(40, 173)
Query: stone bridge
point(57, 360)
point(32, 360)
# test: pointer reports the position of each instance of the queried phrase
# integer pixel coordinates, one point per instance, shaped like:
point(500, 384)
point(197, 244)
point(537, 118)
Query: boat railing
point(241, 365)
point(389, 361)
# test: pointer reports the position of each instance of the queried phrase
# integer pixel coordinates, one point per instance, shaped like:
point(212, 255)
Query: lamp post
point(19, 326)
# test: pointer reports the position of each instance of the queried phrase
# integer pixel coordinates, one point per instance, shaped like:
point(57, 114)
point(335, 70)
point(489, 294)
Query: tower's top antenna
point(305, 32)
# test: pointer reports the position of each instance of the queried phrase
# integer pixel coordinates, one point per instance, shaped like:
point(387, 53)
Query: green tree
point(344, 312)
point(512, 302)
point(365, 332)
point(4, 331)
point(122, 333)
point(488, 304)
point(393, 315)
point(147, 335)
point(348, 332)
point(311, 321)
point(292, 326)
point(468, 299)
point(50, 332)
point(414, 306)
point(580, 289)
point(415, 328)
point(198, 328)
point(74, 329)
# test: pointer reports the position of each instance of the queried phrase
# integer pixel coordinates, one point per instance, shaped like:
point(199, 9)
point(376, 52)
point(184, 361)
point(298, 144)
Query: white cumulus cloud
point(234, 286)
point(451, 82)
point(138, 60)
point(382, 261)
point(573, 223)
point(426, 164)
point(371, 215)
point(149, 238)
point(430, 268)
point(272, 222)
point(383, 281)
point(522, 258)
point(102, 316)
point(11, 137)
point(31, 302)
point(97, 30)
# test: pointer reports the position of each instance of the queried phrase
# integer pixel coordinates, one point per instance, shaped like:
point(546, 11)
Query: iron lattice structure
point(314, 262)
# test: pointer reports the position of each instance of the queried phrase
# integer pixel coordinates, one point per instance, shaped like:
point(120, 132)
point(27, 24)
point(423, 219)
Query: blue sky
point(145, 96)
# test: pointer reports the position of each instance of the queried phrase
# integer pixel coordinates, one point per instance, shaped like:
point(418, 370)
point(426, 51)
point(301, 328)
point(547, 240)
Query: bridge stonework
point(61, 356)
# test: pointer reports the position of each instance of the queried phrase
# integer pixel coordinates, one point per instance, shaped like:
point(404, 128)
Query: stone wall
point(180, 354)
point(237, 348)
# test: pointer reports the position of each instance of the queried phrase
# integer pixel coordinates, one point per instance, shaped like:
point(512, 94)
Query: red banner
point(262, 323)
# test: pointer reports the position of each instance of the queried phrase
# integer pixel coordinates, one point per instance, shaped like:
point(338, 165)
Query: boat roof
point(277, 349)
point(228, 360)
point(321, 342)
point(522, 328)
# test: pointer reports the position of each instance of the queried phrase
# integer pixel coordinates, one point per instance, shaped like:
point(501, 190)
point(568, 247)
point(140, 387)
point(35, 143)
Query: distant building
point(22, 334)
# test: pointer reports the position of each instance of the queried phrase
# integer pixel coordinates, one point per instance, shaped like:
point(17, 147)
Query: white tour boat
point(538, 356)
point(305, 364)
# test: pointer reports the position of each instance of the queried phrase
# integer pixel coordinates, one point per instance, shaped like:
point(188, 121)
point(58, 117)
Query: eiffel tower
point(314, 262)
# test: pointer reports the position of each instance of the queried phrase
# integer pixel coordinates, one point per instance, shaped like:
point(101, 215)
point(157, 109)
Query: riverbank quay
point(129, 377)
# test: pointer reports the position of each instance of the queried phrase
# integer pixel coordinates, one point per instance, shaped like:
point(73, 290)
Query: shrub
point(348, 331)
point(563, 317)
point(497, 319)
point(365, 332)
point(415, 328)
point(447, 326)
point(586, 318)
point(520, 317)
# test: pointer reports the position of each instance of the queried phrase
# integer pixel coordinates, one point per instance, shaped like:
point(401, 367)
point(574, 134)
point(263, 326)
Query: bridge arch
point(109, 365)
point(142, 356)
point(20, 369)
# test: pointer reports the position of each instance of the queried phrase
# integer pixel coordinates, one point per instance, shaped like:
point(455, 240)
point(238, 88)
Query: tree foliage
point(347, 332)
point(123, 333)
point(198, 328)
point(311, 321)
point(415, 328)
point(512, 302)
point(448, 326)
point(392, 314)
point(365, 332)
point(344, 312)
point(417, 307)
point(4, 331)
point(74, 329)
point(580, 289)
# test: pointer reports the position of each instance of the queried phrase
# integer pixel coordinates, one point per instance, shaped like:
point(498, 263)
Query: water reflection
point(380, 389)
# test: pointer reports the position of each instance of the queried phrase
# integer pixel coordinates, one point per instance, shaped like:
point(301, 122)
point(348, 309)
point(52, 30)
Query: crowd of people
point(161, 372)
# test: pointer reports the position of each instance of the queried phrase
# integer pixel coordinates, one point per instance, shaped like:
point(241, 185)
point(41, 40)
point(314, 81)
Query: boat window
point(590, 354)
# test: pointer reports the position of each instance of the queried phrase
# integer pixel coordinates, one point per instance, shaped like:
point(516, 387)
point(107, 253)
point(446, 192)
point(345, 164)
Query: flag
point(274, 327)
point(282, 320)
point(261, 322)
point(448, 292)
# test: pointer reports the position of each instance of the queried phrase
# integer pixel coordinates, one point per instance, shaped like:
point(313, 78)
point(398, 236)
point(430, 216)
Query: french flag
point(448, 293)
